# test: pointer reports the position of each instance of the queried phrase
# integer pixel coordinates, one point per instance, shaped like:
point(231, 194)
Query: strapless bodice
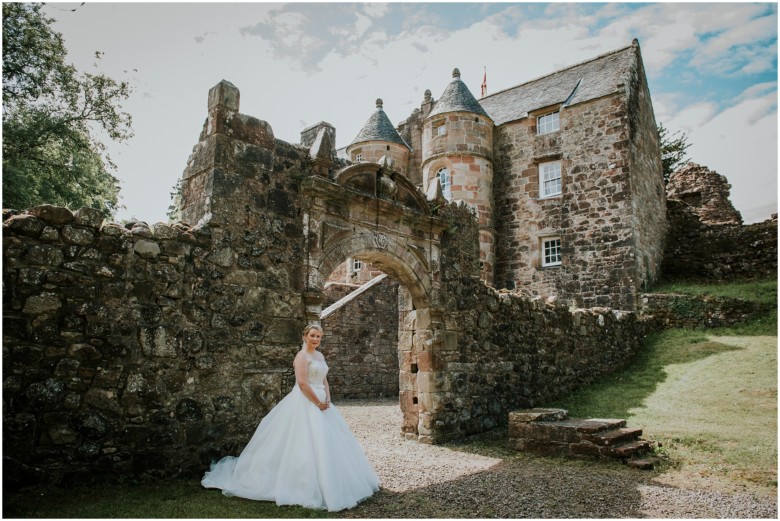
point(318, 370)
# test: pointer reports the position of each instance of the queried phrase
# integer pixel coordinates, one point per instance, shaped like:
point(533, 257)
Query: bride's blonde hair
point(309, 328)
point(312, 326)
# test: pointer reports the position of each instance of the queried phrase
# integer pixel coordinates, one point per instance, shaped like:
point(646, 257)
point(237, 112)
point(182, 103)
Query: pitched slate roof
point(379, 128)
point(588, 80)
point(457, 98)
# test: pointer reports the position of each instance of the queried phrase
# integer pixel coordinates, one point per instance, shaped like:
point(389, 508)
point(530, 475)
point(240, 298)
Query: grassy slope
point(709, 397)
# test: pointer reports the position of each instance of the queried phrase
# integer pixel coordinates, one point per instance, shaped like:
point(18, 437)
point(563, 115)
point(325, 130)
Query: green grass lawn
point(709, 397)
point(180, 499)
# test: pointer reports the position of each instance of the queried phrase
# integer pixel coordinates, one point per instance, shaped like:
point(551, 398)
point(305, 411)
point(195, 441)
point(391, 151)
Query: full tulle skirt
point(298, 455)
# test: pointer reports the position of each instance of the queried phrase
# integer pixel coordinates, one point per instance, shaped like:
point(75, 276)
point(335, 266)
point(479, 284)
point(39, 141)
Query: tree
point(174, 209)
point(673, 148)
point(52, 115)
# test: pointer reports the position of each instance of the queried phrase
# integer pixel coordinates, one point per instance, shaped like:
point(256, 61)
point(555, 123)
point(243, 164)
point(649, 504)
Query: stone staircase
point(551, 432)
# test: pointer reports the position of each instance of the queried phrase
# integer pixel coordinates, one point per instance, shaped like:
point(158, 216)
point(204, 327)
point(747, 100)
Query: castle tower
point(457, 151)
point(378, 138)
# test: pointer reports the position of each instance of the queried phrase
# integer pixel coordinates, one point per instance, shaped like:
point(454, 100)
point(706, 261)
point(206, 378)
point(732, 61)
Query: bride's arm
point(327, 390)
point(301, 365)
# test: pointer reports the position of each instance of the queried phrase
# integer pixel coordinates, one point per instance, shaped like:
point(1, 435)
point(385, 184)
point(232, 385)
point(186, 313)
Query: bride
point(302, 453)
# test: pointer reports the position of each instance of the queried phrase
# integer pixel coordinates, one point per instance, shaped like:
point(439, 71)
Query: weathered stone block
point(146, 248)
point(43, 303)
point(27, 225)
point(53, 214)
point(44, 255)
point(164, 231)
point(103, 399)
point(157, 341)
point(224, 95)
point(91, 217)
point(221, 257)
point(533, 415)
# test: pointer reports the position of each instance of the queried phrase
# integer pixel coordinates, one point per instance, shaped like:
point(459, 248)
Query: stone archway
point(381, 218)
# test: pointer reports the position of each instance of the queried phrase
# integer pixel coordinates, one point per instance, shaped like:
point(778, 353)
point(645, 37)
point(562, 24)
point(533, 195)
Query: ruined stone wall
point(135, 351)
point(698, 251)
point(361, 343)
point(153, 350)
point(509, 351)
point(706, 192)
point(592, 216)
point(670, 310)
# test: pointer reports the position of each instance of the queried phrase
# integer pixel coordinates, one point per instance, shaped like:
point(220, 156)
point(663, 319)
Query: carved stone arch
point(404, 264)
point(377, 180)
point(417, 327)
point(351, 217)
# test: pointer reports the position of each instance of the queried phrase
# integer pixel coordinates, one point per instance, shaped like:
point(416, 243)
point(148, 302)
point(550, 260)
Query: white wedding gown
point(299, 455)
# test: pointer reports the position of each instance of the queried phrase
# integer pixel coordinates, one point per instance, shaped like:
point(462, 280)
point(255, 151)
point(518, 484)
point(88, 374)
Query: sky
point(711, 67)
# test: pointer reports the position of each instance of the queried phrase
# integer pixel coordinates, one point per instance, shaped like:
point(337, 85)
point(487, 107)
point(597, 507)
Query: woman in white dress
point(303, 452)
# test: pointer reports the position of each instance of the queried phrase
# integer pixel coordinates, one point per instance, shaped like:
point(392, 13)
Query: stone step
point(627, 450)
point(613, 437)
point(642, 463)
point(538, 414)
point(594, 425)
point(623, 451)
point(551, 432)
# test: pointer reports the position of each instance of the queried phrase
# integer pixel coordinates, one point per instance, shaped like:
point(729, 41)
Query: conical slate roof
point(379, 128)
point(457, 98)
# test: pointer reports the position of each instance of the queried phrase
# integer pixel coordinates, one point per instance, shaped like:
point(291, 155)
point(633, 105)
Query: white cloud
point(739, 143)
point(297, 64)
point(375, 9)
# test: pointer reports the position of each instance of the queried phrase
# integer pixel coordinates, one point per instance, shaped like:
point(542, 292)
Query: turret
point(457, 145)
point(379, 140)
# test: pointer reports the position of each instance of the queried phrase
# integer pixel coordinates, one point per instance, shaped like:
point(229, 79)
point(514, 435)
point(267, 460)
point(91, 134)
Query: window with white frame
point(548, 123)
point(357, 265)
point(358, 158)
point(445, 179)
point(550, 178)
point(551, 251)
point(440, 130)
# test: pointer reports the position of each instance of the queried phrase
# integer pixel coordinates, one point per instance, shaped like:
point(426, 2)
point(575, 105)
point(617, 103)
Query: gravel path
point(425, 481)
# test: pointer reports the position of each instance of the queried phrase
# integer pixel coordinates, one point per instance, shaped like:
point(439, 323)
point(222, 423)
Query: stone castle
point(518, 229)
point(562, 172)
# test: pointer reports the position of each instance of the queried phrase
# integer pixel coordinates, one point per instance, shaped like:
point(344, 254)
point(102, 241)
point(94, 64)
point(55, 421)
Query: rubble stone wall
point(706, 192)
point(591, 216)
point(151, 351)
point(508, 351)
point(361, 343)
point(670, 310)
point(137, 351)
point(648, 193)
point(700, 251)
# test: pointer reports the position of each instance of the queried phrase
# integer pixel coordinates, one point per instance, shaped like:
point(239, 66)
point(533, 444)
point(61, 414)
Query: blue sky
point(712, 71)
